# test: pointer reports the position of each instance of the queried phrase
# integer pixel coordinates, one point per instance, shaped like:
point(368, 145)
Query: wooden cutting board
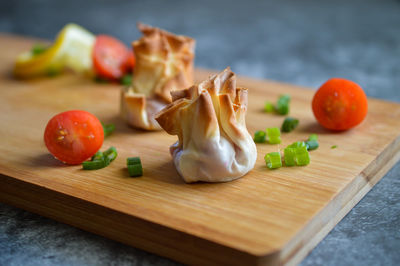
point(266, 217)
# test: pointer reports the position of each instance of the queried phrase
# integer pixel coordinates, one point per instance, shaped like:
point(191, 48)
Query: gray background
point(300, 42)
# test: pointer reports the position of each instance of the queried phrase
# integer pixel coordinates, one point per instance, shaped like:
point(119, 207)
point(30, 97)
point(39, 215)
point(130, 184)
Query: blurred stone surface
point(300, 42)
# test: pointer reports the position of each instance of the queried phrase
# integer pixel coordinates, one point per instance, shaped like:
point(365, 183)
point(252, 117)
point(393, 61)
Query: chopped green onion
point(38, 49)
point(135, 170)
point(100, 159)
point(110, 154)
point(268, 107)
point(99, 155)
point(334, 147)
point(134, 166)
point(302, 157)
point(126, 80)
point(297, 144)
point(274, 135)
point(313, 137)
point(312, 145)
point(289, 124)
point(133, 160)
point(108, 129)
point(94, 165)
point(312, 142)
point(259, 136)
point(282, 106)
point(289, 156)
point(273, 160)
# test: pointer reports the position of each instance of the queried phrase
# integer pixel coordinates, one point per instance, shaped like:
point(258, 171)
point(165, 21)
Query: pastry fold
point(164, 62)
point(209, 119)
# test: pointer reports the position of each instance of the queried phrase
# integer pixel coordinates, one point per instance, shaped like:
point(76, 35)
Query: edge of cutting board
point(342, 204)
point(132, 230)
point(178, 245)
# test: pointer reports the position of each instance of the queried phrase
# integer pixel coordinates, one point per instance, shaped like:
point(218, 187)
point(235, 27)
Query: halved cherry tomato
point(73, 136)
point(340, 104)
point(111, 58)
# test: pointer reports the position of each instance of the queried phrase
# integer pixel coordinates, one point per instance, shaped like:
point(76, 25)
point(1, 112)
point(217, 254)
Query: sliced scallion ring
point(273, 160)
point(260, 136)
point(302, 157)
point(312, 145)
point(289, 124)
point(99, 155)
point(268, 107)
point(111, 153)
point(94, 165)
point(134, 166)
point(282, 106)
point(274, 135)
point(100, 159)
point(133, 160)
point(297, 144)
point(289, 156)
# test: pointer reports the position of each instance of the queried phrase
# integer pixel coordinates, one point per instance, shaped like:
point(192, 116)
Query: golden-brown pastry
point(164, 62)
point(209, 119)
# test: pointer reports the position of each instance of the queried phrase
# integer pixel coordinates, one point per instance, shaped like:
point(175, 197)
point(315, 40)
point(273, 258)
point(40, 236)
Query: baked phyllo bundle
point(209, 119)
point(164, 62)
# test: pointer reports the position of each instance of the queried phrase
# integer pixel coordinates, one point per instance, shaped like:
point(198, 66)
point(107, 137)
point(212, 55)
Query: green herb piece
point(297, 144)
point(110, 154)
point(133, 160)
point(289, 124)
point(94, 165)
point(302, 157)
point(282, 106)
point(269, 107)
point(99, 155)
point(100, 159)
point(273, 160)
point(274, 135)
point(108, 129)
point(334, 147)
point(312, 145)
point(38, 49)
point(126, 80)
point(259, 136)
point(134, 166)
point(312, 142)
point(135, 170)
point(289, 156)
point(313, 137)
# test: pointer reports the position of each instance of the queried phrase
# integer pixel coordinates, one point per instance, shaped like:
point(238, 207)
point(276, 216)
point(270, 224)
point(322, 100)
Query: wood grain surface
point(266, 217)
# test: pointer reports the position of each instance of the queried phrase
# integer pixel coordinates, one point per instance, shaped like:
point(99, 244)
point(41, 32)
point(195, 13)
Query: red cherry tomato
point(340, 104)
point(73, 136)
point(130, 63)
point(111, 58)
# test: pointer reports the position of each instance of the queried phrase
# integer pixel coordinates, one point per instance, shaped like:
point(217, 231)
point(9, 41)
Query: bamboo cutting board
point(266, 217)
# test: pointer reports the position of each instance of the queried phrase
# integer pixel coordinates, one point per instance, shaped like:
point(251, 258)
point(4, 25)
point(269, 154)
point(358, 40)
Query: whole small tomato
point(340, 104)
point(73, 136)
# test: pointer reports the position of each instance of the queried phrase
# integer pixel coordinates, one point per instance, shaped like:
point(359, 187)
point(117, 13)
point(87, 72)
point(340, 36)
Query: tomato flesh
point(111, 58)
point(340, 104)
point(73, 136)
